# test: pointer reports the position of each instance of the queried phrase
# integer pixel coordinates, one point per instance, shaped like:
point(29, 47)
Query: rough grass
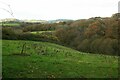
point(48, 60)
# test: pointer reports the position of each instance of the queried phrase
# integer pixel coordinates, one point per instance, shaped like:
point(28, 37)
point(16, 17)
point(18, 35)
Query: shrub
point(84, 46)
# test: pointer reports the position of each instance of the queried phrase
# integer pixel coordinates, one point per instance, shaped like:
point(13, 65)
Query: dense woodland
point(94, 35)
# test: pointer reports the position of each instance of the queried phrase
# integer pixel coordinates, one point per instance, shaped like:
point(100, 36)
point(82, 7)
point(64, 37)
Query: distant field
point(40, 32)
point(48, 60)
point(10, 24)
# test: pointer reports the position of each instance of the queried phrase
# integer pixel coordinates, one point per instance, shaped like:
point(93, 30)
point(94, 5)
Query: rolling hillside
point(48, 60)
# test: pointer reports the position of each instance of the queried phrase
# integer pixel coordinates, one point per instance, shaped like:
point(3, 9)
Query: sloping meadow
point(48, 60)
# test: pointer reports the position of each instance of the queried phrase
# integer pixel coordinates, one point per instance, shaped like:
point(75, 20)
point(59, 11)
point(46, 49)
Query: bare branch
point(9, 11)
point(4, 3)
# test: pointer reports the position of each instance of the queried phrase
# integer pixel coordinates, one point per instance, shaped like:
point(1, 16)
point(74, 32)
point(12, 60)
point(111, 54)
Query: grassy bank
point(48, 60)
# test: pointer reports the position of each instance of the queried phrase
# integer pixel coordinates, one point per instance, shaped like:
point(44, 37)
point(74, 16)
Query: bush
point(8, 33)
point(108, 46)
point(84, 46)
point(94, 46)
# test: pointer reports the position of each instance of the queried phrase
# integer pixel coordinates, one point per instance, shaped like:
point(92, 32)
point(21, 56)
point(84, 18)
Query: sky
point(58, 9)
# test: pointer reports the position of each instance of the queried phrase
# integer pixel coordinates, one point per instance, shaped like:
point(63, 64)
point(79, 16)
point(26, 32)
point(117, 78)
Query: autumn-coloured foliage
point(94, 35)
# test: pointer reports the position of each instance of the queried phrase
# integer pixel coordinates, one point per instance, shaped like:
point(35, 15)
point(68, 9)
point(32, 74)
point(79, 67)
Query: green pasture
point(48, 60)
point(35, 32)
point(10, 24)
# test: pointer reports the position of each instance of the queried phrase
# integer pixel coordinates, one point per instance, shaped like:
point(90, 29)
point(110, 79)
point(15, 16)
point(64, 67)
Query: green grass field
point(35, 32)
point(48, 60)
point(10, 24)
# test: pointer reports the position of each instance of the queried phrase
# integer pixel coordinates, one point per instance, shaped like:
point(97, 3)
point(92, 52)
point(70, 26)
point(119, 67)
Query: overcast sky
point(58, 9)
